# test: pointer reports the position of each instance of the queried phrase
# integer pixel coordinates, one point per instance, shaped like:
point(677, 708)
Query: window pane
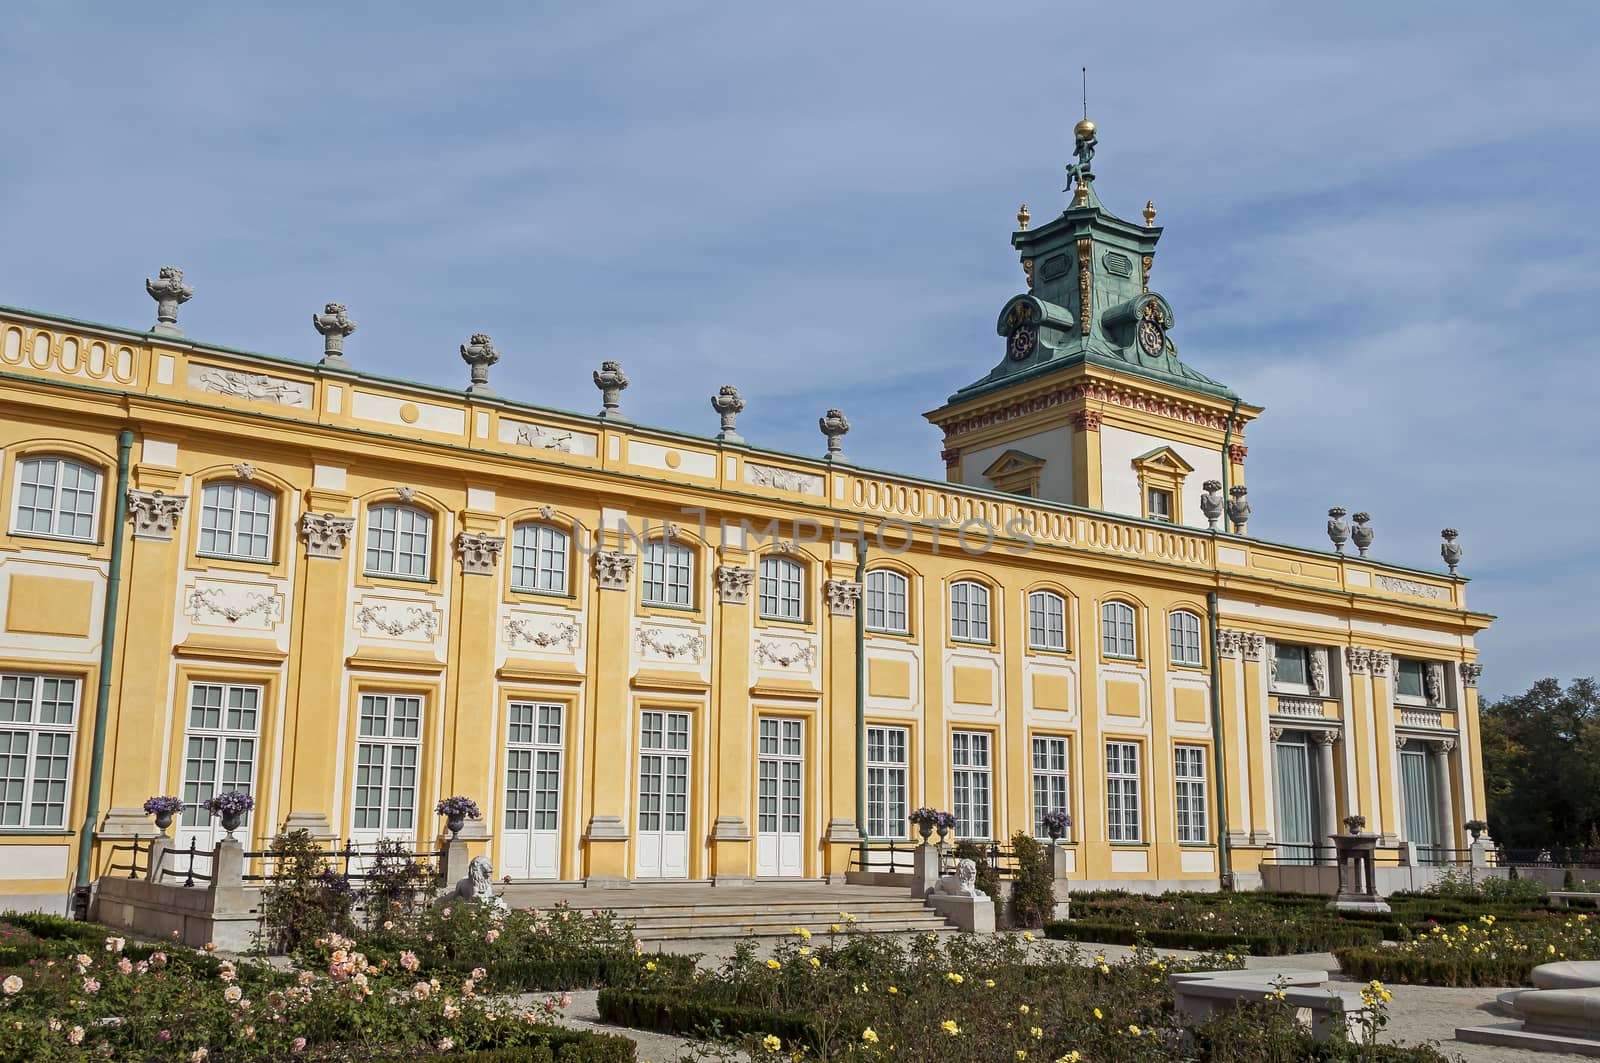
point(58, 497)
point(1289, 664)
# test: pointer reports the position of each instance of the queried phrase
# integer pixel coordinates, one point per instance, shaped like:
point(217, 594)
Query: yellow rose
point(949, 1026)
point(955, 979)
point(771, 1043)
point(869, 1035)
point(774, 964)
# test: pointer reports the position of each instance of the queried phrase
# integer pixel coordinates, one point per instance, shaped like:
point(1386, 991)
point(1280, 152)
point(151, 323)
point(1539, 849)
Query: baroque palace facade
point(651, 655)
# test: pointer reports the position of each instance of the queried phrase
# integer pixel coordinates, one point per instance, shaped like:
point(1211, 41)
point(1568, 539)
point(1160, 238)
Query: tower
point(1090, 403)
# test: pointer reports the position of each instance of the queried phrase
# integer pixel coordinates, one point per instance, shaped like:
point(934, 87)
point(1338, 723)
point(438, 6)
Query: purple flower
point(464, 807)
point(228, 803)
point(155, 806)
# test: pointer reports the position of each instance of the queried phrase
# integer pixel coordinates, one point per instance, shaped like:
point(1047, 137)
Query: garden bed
point(1485, 952)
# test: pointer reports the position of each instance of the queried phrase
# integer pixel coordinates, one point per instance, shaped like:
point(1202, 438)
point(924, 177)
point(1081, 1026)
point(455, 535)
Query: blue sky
point(1378, 222)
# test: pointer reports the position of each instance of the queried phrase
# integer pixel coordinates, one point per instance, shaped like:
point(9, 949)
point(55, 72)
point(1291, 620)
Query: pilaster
point(143, 694)
point(605, 839)
point(1089, 803)
point(1364, 752)
point(1086, 460)
point(1390, 809)
point(1263, 813)
point(732, 850)
point(838, 716)
point(1244, 770)
point(1469, 725)
point(473, 727)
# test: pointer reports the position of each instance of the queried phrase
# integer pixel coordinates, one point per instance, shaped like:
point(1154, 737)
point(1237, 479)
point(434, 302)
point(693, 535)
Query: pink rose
point(299, 1044)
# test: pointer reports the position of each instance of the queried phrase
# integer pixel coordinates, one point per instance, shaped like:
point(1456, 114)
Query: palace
point(649, 655)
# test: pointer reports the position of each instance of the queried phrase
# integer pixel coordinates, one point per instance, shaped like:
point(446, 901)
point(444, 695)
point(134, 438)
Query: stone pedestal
point(454, 861)
point(974, 913)
point(924, 870)
point(1059, 867)
point(1357, 856)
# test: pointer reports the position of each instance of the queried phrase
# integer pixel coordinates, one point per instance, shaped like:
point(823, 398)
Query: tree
point(1541, 764)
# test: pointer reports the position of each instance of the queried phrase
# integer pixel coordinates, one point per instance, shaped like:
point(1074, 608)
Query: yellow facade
point(563, 709)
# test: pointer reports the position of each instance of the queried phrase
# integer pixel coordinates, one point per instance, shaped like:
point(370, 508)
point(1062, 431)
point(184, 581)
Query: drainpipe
point(1224, 868)
point(108, 646)
point(861, 695)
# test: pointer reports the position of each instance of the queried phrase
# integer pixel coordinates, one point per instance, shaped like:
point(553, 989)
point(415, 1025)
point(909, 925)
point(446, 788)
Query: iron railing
point(171, 856)
point(887, 857)
point(1551, 856)
point(135, 849)
point(353, 861)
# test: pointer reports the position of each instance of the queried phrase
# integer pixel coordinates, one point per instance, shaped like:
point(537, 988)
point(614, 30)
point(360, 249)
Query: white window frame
point(1183, 635)
point(235, 704)
point(54, 513)
point(540, 559)
point(780, 589)
point(35, 746)
point(225, 542)
point(969, 611)
point(1421, 696)
point(888, 781)
point(399, 745)
point(1192, 814)
point(410, 522)
point(1150, 496)
point(667, 575)
point(1052, 791)
point(1042, 635)
point(888, 601)
point(972, 783)
point(1119, 630)
point(541, 736)
point(1290, 685)
point(1123, 785)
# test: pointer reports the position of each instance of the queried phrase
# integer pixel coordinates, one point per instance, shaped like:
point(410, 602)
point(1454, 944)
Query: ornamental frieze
point(1115, 395)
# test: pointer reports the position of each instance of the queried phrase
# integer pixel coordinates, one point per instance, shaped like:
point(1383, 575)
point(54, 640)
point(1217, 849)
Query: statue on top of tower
point(1084, 142)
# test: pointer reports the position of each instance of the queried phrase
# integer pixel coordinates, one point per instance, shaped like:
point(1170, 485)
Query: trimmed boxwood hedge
point(1412, 968)
point(583, 972)
point(559, 1046)
point(667, 1013)
point(1305, 937)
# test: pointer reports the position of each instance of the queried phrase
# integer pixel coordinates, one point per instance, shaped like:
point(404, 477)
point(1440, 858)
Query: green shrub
point(673, 1013)
point(557, 1045)
point(1401, 968)
point(303, 897)
point(1033, 891)
point(1284, 941)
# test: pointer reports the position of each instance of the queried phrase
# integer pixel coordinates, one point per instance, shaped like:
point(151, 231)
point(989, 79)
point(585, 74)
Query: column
point(1440, 751)
point(1328, 785)
point(142, 694)
point(842, 596)
point(1263, 818)
point(472, 705)
point(1362, 753)
point(610, 723)
point(1472, 751)
point(1233, 741)
point(315, 695)
point(731, 854)
point(1388, 815)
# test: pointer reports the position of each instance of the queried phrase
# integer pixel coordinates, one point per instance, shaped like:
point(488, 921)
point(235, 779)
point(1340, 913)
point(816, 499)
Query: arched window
point(236, 521)
point(539, 559)
point(1047, 621)
point(1184, 628)
point(780, 591)
point(969, 611)
point(668, 575)
point(887, 601)
point(58, 497)
point(399, 541)
point(1116, 630)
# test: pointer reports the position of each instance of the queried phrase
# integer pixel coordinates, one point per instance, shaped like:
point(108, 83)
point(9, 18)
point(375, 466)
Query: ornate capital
point(842, 595)
point(1276, 733)
point(1230, 643)
point(335, 325)
point(1401, 741)
point(1237, 452)
point(733, 584)
point(169, 292)
point(1255, 644)
point(1086, 421)
point(479, 552)
point(326, 534)
point(1326, 738)
point(951, 456)
point(1382, 661)
point(1359, 659)
point(614, 569)
point(1443, 747)
point(1471, 673)
point(154, 514)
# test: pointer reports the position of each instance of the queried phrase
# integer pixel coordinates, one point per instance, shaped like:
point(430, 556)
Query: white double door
point(531, 843)
point(780, 767)
point(219, 756)
point(661, 838)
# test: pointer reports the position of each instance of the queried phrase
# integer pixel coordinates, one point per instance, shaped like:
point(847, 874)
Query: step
point(815, 926)
point(930, 925)
point(813, 912)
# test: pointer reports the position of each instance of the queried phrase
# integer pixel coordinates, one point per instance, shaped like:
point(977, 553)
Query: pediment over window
point(1163, 460)
point(1016, 472)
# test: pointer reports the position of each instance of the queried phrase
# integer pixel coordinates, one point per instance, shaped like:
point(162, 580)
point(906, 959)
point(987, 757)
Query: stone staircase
point(701, 912)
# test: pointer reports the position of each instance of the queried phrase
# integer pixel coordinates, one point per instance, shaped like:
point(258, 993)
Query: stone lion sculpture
point(478, 886)
point(964, 883)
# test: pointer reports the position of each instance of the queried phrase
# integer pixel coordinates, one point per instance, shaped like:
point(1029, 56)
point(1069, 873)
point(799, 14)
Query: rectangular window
point(779, 596)
point(1189, 776)
point(1049, 780)
point(1291, 666)
point(538, 559)
point(886, 602)
point(398, 541)
point(886, 782)
point(971, 781)
point(38, 719)
point(969, 611)
point(1159, 504)
point(388, 752)
point(668, 572)
point(1184, 628)
point(219, 745)
point(1408, 679)
point(57, 497)
point(1122, 792)
point(1117, 637)
point(1047, 621)
point(236, 521)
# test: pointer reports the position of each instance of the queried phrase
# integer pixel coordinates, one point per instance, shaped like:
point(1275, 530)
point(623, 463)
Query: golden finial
point(1083, 129)
point(1022, 217)
point(1082, 195)
point(1149, 214)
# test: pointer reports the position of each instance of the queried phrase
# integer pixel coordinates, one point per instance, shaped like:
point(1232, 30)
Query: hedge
point(666, 1013)
point(559, 1046)
point(1305, 937)
point(582, 972)
point(1412, 968)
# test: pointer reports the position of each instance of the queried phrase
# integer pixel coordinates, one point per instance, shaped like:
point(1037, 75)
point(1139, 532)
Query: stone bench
point(1560, 1014)
point(1563, 898)
point(1203, 994)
